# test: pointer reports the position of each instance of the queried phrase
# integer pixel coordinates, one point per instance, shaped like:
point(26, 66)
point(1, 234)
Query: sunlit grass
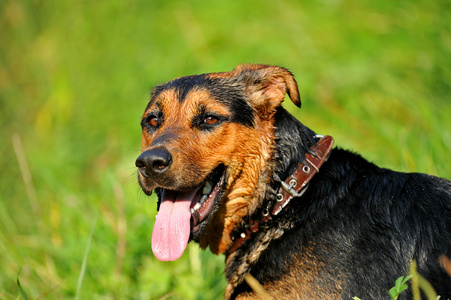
point(75, 78)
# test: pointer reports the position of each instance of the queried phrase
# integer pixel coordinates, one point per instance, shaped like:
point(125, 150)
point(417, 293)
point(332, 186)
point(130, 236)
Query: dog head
point(207, 148)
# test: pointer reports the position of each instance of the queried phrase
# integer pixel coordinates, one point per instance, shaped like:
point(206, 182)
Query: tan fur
point(245, 181)
point(302, 281)
point(196, 156)
point(249, 175)
point(245, 151)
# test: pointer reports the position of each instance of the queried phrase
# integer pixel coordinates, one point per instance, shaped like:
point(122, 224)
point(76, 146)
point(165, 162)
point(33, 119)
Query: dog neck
point(298, 157)
point(294, 186)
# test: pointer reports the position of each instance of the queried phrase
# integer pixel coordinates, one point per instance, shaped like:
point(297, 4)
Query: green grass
point(75, 78)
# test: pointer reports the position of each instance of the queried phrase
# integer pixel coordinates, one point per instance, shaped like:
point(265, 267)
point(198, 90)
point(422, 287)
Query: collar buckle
point(289, 188)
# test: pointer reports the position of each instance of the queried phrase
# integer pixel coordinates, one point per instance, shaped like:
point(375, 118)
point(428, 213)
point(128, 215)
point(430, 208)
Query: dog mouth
point(202, 207)
point(184, 215)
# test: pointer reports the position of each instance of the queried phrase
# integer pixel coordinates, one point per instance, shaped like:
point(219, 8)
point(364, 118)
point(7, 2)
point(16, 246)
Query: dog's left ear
point(266, 86)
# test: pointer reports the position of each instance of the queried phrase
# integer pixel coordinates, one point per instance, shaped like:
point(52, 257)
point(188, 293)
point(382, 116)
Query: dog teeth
point(207, 188)
point(197, 206)
point(205, 192)
point(204, 197)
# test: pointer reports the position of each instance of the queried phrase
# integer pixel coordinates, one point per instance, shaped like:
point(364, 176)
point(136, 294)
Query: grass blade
point(257, 287)
point(22, 291)
point(85, 260)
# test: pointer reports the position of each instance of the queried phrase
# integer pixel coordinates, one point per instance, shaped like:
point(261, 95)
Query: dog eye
point(205, 121)
point(210, 120)
point(154, 121)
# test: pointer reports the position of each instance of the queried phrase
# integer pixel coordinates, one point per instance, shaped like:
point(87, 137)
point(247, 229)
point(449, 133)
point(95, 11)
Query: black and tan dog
point(236, 172)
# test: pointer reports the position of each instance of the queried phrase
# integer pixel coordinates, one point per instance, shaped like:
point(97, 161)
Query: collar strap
point(293, 187)
point(296, 184)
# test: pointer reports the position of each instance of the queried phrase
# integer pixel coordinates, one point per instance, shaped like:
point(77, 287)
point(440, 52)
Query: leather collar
point(294, 186)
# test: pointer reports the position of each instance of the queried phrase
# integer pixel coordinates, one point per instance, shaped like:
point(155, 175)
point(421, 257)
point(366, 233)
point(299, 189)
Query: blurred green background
point(75, 78)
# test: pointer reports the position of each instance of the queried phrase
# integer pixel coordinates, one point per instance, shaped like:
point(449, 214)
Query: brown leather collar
point(292, 187)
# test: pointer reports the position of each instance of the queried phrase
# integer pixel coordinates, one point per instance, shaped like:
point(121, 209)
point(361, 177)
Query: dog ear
point(266, 86)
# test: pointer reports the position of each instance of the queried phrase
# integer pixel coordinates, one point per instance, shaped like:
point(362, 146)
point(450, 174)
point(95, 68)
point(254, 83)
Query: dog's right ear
point(266, 86)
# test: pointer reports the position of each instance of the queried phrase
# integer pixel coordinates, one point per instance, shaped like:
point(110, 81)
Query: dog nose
point(154, 162)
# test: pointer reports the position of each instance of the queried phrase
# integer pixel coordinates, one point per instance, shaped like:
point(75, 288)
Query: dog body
point(217, 148)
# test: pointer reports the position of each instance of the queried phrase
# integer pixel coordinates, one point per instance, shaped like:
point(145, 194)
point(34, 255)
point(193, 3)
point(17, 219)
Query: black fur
point(228, 91)
point(363, 223)
point(355, 230)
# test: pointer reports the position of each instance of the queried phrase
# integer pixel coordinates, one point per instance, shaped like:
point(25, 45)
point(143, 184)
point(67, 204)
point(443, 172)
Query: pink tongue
point(172, 227)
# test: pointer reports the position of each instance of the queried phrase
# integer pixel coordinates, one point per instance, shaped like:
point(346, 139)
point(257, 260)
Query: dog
point(235, 172)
